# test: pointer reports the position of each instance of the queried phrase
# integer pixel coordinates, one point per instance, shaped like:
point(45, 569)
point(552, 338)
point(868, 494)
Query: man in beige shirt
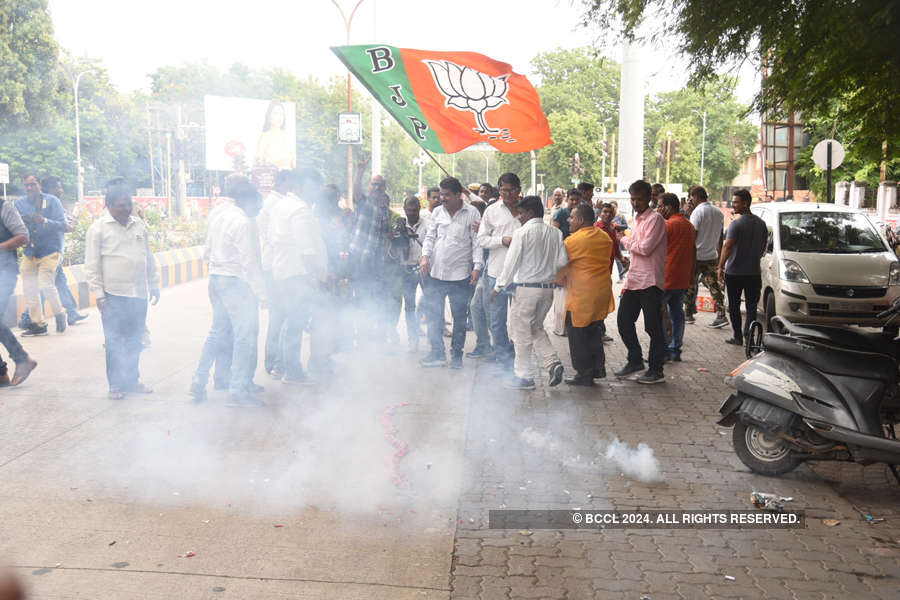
point(121, 273)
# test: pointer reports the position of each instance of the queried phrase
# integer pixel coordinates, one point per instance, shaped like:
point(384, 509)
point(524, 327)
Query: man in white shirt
point(299, 269)
point(121, 273)
point(416, 227)
point(709, 222)
point(236, 286)
point(501, 220)
point(276, 315)
point(536, 254)
point(451, 265)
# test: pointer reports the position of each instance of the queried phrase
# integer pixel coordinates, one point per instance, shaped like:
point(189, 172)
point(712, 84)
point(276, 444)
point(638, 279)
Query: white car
point(826, 264)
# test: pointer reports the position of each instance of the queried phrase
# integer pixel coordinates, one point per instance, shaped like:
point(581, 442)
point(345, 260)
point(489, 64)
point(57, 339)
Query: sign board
point(820, 154)
point(243, 133)
point(4, 173)
point(350, 128)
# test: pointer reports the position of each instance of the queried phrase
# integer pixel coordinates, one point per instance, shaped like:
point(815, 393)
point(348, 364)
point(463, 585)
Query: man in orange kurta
point(589, 286)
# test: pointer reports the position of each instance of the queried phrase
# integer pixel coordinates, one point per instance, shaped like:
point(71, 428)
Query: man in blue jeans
point(501, 220)
point(13, 235)
point(451, 265)
point(681, 252)
point(236, 285)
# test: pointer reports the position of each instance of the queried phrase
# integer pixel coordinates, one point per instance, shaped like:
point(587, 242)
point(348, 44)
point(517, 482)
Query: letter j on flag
point(448, 101)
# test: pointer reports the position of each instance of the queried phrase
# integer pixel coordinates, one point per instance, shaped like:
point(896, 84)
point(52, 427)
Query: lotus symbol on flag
point(468, 89)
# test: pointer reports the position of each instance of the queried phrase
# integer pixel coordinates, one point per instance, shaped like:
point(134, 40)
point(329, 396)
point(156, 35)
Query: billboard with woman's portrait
point(243, 133)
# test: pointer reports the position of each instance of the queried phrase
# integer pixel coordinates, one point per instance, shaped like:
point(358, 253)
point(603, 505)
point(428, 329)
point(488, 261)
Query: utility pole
point(533, 173)
point(605, 150)
point(169, 172)
point(79, 176)
point(612, 163)
point(668, 155)
point(702, 148)
point(348, 21)
point(150, 144)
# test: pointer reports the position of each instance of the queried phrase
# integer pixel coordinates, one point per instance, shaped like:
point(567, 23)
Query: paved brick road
point(503, 469)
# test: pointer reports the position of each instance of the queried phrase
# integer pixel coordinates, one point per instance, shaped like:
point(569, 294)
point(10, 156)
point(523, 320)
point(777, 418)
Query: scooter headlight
point(894, 277)
point(791, 271)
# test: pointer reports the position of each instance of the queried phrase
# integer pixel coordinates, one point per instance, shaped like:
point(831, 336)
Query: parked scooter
point(815, 392)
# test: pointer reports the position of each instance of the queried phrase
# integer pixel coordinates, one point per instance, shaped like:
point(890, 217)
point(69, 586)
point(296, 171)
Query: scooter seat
point(852, 339)
point(833, 359)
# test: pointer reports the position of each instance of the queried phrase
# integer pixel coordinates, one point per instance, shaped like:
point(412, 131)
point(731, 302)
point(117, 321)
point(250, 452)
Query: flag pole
point(440, 166)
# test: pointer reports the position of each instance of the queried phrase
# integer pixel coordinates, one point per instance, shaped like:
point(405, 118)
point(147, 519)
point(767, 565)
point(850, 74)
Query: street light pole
point(702, 145)
point(79, 172)
point(348, 21)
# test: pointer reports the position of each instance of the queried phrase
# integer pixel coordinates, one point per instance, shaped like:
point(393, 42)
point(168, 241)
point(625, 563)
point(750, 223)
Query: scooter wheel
point(762, 452)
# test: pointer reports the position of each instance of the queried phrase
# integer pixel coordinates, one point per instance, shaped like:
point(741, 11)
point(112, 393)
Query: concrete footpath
point(379, 484)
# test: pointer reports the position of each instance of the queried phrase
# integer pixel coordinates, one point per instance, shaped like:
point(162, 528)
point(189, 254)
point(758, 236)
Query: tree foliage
point(29, 80)
point(810, 52)
point(729, 136)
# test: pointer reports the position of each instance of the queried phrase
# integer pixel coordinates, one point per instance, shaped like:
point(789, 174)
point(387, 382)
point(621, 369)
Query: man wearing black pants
point(644, 287)
point(745, 244)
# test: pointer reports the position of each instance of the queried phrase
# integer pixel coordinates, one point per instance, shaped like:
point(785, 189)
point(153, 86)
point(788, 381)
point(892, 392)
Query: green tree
point(729, 135)
point(811, 53)
point(28, 55)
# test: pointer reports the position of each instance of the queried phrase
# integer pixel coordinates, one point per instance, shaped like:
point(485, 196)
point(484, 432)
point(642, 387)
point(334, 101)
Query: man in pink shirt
point(644, 287)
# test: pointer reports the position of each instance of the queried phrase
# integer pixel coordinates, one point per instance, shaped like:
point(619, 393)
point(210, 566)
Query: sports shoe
point(630, 368)
point(301, 379)
point(652, 377)
point(23, 370)
point(244, 401)
point(517, 383)
point(198, 392)
point(75, 317)
point(456, 361)
point(555, 373)
point(25, 321)
point(578, 380)
point(734, 341)
point(719, 322)
point(689, 319)
point(35, 329)
point(433, 360)
point(480, 353)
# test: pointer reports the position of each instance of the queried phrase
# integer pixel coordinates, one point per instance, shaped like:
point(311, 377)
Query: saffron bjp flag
point(448, 101)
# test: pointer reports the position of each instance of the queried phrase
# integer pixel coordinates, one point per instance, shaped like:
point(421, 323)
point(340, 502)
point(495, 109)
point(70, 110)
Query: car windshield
point(829, 233)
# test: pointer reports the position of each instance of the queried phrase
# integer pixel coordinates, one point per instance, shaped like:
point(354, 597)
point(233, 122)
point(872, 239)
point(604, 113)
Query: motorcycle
point(815, 392)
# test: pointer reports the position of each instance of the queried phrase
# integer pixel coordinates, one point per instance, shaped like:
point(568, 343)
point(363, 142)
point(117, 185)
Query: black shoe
point(25, 321)
point(61, 323)
point(734, 342)
point(198, 392)
point(630, 368)
point(433, 360)
point(652, 377)
point(35, 329)
point(456, 361)
point(76, 317)
point(555, 373)
point(517, 383)
point(579, 380)
point(480, 353)
point(599, 373)
point(719, 322)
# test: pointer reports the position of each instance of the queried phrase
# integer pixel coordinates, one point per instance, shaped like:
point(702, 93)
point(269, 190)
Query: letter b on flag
point(381, 59)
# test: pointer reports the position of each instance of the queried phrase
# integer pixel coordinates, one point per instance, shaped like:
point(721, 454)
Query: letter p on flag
point(448, 101)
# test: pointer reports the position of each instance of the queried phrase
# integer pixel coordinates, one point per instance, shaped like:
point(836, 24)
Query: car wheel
point(770, 312)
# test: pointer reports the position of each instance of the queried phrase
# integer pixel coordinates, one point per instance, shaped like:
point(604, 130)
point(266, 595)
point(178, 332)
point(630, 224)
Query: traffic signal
point(675, 151)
